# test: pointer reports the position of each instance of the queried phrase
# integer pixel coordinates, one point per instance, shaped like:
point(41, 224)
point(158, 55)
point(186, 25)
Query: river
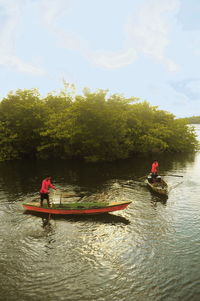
point(147, 252)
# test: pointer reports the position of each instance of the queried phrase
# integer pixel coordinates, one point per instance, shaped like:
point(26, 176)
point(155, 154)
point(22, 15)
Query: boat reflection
point(155, 200)
point(97, 218)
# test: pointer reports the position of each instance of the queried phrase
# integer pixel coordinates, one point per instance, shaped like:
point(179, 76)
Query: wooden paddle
point(162, 176)
point(143, 177)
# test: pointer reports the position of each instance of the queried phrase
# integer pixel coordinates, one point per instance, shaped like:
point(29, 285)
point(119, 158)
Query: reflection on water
point(161, 199)
point(150, 251)
point(46, 221)
point(197, 129)
point(97, 218)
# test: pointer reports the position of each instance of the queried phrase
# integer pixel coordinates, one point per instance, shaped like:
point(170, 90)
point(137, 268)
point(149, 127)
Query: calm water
point(150, 251)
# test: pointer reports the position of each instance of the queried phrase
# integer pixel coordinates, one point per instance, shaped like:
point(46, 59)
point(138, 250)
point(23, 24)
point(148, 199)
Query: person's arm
point(51, 185)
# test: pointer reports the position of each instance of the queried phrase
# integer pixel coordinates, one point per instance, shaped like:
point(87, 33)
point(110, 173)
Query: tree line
point(192, 120)
point(92, 126)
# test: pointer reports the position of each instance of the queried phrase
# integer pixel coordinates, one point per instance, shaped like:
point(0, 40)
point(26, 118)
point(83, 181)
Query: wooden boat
point(76, 208)
point(158, 186)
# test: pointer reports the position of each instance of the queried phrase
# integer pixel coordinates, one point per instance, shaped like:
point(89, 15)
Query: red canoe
point(74, 208)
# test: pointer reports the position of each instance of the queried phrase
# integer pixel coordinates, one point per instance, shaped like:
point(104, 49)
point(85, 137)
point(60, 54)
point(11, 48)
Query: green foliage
point(22, 115)
point(92, 126)
point(192, 120)
point(7, 141)
point(182, 137)
point(80, 205)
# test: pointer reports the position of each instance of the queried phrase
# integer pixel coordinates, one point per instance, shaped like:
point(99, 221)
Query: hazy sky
point(144, 48)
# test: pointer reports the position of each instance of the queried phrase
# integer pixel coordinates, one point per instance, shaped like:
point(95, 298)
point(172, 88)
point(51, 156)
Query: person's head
point(48, 178)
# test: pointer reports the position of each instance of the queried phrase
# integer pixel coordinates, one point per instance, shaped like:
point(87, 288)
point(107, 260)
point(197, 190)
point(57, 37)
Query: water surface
point(150, 251)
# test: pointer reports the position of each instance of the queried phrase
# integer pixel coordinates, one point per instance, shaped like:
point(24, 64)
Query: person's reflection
point(46, 222)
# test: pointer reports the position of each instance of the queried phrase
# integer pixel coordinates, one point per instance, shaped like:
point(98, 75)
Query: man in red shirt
point(44, 191)
point(154, 169)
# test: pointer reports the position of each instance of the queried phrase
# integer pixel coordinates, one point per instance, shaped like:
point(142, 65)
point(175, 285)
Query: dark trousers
point(154, 176)
point(44, 196)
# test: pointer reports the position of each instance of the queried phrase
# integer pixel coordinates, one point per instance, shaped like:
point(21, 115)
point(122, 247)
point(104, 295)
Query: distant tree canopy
point(192, 120)
point(92, 126)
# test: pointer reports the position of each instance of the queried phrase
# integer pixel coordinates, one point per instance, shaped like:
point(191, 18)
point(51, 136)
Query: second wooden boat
point(157, 185)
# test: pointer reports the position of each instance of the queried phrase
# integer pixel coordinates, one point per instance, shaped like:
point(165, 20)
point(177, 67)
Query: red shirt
point(154, 168)
point(45, 186)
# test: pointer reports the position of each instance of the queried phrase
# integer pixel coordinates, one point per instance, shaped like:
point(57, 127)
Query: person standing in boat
point(154, 169)
point(44, 191)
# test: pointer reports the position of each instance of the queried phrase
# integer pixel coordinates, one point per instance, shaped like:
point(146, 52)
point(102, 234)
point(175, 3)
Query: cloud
point(17, 64)
point(113, 60)
point(189, 87)
point(53, 9)
point(146, 32)
point(11, 12)
point(148, 29)
point(51, 12)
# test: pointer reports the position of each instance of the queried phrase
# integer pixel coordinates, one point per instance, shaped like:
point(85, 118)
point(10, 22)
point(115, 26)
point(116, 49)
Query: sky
point(148, 49)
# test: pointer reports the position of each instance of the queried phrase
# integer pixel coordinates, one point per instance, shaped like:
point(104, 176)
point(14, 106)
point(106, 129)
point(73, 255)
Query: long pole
point(173, 176)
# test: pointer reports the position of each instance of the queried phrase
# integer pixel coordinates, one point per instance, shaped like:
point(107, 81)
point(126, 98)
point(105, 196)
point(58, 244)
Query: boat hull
point(109, 208)
point(158, 188)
